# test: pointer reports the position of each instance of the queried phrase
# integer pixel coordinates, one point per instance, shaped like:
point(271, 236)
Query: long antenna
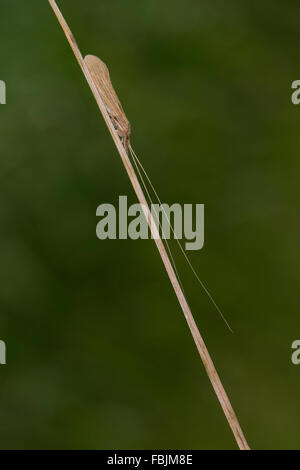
point(202, 349)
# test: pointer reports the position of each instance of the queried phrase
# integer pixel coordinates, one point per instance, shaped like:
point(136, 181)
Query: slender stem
point(202, 349)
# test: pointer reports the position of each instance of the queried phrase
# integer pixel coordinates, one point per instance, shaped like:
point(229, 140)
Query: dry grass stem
point(97, 76)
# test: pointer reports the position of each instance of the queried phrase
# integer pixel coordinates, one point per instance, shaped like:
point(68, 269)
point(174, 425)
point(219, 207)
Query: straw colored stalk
point(202, 349)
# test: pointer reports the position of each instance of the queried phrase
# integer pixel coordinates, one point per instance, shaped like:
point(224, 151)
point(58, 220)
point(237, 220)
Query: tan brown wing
point(100, 75)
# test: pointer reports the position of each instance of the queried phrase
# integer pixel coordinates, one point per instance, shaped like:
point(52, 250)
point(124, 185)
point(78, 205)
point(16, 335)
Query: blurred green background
point(98, 352)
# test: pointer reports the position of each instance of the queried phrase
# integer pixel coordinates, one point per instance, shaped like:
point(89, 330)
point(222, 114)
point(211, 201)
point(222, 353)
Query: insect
point(101, 78)
point(100, 75)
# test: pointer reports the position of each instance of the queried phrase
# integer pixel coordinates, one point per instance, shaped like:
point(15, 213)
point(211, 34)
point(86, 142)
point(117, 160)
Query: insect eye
point(115, 123)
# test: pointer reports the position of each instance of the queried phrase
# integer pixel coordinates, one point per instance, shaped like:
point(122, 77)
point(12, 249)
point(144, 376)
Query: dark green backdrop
point(98, 352)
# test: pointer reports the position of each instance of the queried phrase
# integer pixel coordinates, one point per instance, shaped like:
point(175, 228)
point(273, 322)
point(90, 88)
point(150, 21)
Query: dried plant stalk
point(97, 76)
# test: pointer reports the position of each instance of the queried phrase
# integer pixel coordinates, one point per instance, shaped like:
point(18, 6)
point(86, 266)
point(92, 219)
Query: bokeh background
point(98, 352)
